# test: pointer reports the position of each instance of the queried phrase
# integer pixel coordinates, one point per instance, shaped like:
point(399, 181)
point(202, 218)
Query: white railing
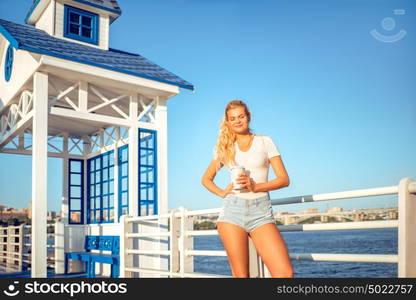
point(180, 233)
point(15, 248)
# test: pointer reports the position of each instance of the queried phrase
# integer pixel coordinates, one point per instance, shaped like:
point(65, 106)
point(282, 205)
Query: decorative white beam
point(97, 118)
point(39, 175)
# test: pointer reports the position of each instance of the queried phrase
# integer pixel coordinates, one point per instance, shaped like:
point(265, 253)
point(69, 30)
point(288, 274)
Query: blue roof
point(31, 39)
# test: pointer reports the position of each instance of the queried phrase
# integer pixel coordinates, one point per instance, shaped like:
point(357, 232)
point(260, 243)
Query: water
point(359, 241)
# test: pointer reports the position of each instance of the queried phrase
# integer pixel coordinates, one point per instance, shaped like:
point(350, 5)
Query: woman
point(247, 211)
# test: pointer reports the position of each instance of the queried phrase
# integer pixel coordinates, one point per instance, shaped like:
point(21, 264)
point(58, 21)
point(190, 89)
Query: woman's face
point(238, 120)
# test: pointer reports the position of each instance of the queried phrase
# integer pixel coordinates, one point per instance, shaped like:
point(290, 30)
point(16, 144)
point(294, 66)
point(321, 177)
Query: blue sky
point(339, 103)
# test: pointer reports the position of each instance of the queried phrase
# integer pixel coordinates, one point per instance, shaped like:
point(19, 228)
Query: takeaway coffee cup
point(235, 172)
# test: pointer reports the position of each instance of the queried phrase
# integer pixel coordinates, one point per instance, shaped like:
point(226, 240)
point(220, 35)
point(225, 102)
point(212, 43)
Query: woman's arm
point(282, 179)
point(208, 181)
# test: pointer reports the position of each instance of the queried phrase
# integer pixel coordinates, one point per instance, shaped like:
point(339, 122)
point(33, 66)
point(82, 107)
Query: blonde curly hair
point(224, 149)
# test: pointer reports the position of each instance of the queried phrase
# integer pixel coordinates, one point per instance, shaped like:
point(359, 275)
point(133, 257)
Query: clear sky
point(339, 103)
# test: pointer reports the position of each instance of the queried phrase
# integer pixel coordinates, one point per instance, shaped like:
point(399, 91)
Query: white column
point(65, 181)
point(133, 159)
point(39, 174)
point(161, 116)
point(87, 150)
point(115, 182)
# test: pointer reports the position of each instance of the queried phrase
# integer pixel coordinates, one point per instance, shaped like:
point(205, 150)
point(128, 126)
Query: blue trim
point(9, 37)
point(154, 184)
point(189, 87)
point(82, 13)
point(120, 164)
point(81, 186)
point(91, 219)
point(117, 12)
point(8, 63)
point(34, 5)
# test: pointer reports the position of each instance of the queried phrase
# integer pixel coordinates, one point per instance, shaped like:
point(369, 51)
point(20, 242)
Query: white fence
point(179, 234)
point(162, 245)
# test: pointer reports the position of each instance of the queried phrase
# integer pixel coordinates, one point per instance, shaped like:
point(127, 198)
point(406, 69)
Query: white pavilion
point(65, 93)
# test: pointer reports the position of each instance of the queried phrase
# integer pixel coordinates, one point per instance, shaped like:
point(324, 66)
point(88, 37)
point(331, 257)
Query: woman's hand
point(246, 182)
point(228, 190)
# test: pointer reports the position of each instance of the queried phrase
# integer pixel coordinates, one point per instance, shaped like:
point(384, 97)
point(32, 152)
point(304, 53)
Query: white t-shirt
point(255, 162)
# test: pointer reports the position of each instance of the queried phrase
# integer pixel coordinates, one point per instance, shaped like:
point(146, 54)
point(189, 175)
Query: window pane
point(97, 216)
point(76, 179)
point(97, 190)
point(97, 177)
point(105, 188)
point(111, 188)
point(111, 158)
point(75, 192)
point(73, 17)
point(75, 217)
point(97, 203)
point(74, 29)
point(105, 161)
point(124, 154)
point(75, 204)
point(86, 21)
point(105, 201)
point(124, 184)
point(92, 164)
point(124, 211)
point(125, 198)
point(111, 172)
point(105, 215)
point(124, 169)
point(75, 166)
point(111, 201)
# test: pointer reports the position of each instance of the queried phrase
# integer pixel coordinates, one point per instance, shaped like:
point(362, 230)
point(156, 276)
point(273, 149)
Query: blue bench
point(102, 243)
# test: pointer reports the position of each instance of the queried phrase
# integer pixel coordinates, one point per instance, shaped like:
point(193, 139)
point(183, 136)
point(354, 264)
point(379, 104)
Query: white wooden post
point(407, 228)
point(39, 174)
point(185, 243)
point(65, 181)
point(21, 236)
point(59, 247)
point(174, 229)
point(133, 159)
point(126, 260)
point(161, 117)
point(87, 150)
point(116, 183)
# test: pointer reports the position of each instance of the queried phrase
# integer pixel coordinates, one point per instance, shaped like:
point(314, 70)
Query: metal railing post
point(407, 229)
point(126, 259)
point(255, 263)
point(59, 247)
point(175, 232)
point(185, 243)
point(20, 237)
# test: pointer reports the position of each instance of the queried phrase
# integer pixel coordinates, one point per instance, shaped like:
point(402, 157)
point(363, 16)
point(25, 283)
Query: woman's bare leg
point(272, 249)
point(235, 241)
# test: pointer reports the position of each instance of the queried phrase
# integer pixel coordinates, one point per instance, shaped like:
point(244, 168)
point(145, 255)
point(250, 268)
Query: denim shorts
point(247, 213)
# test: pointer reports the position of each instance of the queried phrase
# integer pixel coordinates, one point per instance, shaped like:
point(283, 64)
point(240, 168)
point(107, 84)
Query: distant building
point(334, 209)
point(29, 210)
point(51, 215)
point(308, 211)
